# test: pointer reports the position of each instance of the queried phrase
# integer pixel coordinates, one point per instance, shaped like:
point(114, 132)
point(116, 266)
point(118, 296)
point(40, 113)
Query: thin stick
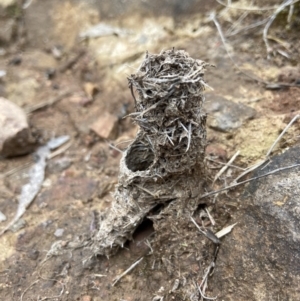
point(16, 169)
point(291, 11)
point(32, 284)
point(200, 230)
point(255, 166)
point(251, 26)
point(60, 150)
point(121, 142)
point(272, 18)
point(249, 180)
point(236, 23)
point(189, 137)
point(221, 163)
point(268, 85)
point(210, 217)
point(118, 278)
point(205, 297)
point(204, 280)
point(217, 24)
point(67, 65)
point(282, 133)
point(115, 148)
point(224, 168)
point(247, 8)
point(210, 267)
point(208, 234)
point(47, 103)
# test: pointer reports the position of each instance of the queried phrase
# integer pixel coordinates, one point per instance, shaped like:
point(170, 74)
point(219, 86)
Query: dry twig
point(268, 85)
point(48, 103)
point(279, 9)
point(249, 180)
point(67, 65)
point(247, 8)
point(118, 278)
point(224, 168)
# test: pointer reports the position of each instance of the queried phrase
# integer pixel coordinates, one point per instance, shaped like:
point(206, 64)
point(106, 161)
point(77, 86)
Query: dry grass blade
point(14, 170)
point(47, 103)
point(225, 231)
point(246, 8)
point(224, 168)
point(282, 133)
point(24, 292)
point(248, 170)
point(284, 4)
point(222, 163)
point(249, 180)
point(268, 85)
point(60, 150)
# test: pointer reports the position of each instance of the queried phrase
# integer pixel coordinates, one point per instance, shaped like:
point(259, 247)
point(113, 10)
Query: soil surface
point(65, 80)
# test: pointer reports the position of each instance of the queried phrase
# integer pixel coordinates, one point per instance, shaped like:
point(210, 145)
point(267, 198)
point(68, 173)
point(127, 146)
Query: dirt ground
point(50, 63)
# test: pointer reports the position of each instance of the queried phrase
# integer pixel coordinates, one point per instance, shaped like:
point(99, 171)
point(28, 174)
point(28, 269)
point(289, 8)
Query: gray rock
point(59, 232)
point(15, 135)
point(58, 165)
point(226, 115)
point(260, 259)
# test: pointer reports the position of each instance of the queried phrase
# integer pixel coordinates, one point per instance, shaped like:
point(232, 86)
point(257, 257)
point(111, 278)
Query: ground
point(77, 79)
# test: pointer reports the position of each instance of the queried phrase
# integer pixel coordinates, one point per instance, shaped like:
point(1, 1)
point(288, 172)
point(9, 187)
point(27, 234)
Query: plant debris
point(36, 175)
point(165, 162)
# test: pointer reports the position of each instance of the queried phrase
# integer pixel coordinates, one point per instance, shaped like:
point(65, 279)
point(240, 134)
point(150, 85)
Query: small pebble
point(59, 232)
point(33, 254)
point(2, 217)
point(18, 225)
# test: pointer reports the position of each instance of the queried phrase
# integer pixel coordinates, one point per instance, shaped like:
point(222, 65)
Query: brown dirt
point(79, 182)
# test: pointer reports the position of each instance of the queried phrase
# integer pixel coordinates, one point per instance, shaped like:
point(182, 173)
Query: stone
point(59, 232)
point(216, 151)
point(227, 115)
point(59, 165)
point(15, 135)
point(33, 254)
point(105, 126)
point(260, 259)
